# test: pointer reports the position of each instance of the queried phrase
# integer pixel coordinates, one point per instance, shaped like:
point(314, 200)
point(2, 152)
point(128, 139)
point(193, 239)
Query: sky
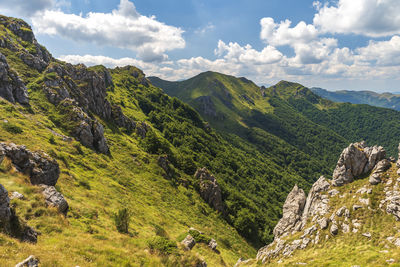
point(336, 44)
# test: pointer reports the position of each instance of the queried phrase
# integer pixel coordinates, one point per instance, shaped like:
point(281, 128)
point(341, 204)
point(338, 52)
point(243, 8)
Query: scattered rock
point(356, 207)
point(323, 223)
point(54, 198)
point(367, 234)
point(333, 192)
point(210, 191)
point(164, 163)
point(188, 242)
point(345, 228)
point(341, 211)
point(213, 244)
point(31, 261)
point(334, 229)
point(38, 165)
point(390, 261)
point(16, 195)
point(364, 190)
point(364, 201)
point(5, 211)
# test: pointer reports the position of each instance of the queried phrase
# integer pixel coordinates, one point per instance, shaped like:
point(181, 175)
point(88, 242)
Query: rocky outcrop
point(31, 261)
point(5, 211)
point(292, 212)
point(188, 243)
point(213, 244)
point(206, 106)
point(55, 199)
point(378, 170)
point(11, 86)
point(164, 163)
point(317, 203)
point(355, 160)
point(209, 189)
point(38, 165)
point(29, 50)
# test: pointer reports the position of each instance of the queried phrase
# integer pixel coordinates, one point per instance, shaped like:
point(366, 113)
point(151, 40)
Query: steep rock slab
point(355, 160)
point(378, 170)
point(292, 212)
point(11, 86)
point(210, 191)
point(5, 211)
point(316, 204)
point(38, 165)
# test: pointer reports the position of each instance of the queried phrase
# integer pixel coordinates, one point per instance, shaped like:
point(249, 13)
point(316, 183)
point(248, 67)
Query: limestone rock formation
point(316, 204)
point(11, 86)
point(31, 261)
point(292, 212)
point(164, 163)
point(209, 189)
point(380, 168)
point(356, 160)
point(213, 244)
point(38, 165)
point(188, 243)
point(54, 198)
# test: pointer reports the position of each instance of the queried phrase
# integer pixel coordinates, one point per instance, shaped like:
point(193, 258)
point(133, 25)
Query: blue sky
point(341, 44)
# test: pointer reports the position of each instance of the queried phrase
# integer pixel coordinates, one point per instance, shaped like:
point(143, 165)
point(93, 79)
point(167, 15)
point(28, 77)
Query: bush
point(12, 128)
point(162, 245)
point(199, 237)
point(122, 220)
point(52, 140)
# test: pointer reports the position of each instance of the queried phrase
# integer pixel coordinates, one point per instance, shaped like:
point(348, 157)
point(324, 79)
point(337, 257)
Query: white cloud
point(383, 53)
point(203, 30)
point(122, 28)
point(375, 18)
point(282, 34)
point(25, 7)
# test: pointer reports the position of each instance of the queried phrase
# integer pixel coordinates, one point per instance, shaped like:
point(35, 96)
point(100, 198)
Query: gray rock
point(367, 234)
point(188, 242)
point(54, 198)
point(17, 195)
point(323, 223)
point(38, 165)
point(378, 170)
point(5, 211)
point(31, 261)
point(11, 86)
point(333, 192)
point(334, 229)
point(316, 204)
point(355, 160)
point(292, 211)
point(164, 163)
point(210, 191)
point(213, 244)
point(341, 211)
point(345, 228)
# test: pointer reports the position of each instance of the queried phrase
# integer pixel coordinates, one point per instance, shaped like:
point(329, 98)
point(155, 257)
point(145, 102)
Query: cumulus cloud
point(24, 7)
point(282, 34)
point(383, 53)
point(375, 18)
point(122, 28)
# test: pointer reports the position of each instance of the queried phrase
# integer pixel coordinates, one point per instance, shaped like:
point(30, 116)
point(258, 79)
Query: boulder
point(210, 191)
point(188, 242)
point(292, 211)
point(38, 165)
point(31, 261)
point(54, 198)
point(356, 160)
point(378, 170)
point(212, 244)
point(17, 195)
point(334, 229)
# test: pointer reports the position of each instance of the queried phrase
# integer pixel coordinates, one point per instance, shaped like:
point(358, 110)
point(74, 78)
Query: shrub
point(12, 128)
point(199, 237)
point(52, 140)
point(162, 245)
point(122, 220)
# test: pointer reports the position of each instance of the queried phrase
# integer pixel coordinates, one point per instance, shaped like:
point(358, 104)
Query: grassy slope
point(96, 186)
point(353, 248)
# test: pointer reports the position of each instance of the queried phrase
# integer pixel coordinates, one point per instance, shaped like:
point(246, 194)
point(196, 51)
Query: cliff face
point(364, 183)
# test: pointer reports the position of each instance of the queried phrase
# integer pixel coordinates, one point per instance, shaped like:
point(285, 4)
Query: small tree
point(122, 220)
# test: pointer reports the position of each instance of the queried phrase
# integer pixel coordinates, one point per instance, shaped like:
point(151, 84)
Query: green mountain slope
point(384, 100)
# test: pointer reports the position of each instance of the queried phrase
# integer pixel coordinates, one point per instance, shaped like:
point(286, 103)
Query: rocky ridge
point(305, 221)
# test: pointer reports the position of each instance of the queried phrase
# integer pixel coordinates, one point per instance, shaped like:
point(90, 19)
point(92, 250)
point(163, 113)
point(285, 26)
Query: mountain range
point(384, 100)
point(106, 167)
